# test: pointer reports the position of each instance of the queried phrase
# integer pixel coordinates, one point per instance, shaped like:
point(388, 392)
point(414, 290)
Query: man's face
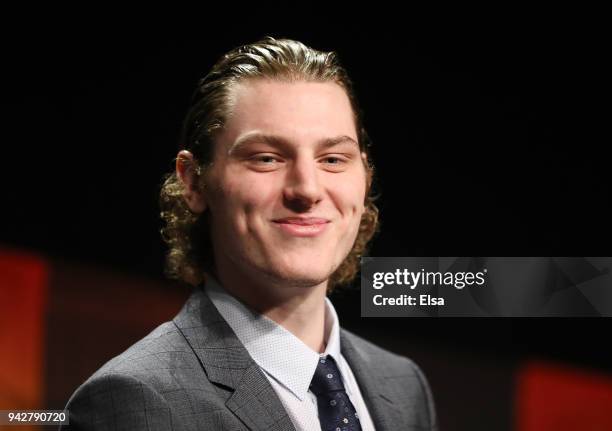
point(287, 187)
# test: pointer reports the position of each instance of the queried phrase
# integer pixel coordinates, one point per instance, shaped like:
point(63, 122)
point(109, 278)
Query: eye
point(265, 162)
point(333, 160)
point(334, 163)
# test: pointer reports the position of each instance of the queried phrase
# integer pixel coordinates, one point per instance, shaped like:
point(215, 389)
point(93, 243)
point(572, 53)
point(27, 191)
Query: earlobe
point(364, 158)
point(369, 172)
point(187, 173)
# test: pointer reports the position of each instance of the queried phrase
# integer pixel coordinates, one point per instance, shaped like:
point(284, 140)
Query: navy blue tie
point(336, 412)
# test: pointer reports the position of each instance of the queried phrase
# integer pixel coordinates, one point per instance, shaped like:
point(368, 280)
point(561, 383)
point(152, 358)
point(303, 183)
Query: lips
point(302, 226)
point(302, 221)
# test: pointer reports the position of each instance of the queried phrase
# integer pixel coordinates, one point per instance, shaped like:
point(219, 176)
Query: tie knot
point(326, 377)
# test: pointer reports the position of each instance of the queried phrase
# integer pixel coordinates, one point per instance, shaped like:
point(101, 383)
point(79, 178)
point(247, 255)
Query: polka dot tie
point(336, 412)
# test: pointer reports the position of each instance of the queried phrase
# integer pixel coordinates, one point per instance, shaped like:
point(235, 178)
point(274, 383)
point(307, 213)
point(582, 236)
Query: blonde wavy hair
point(187, 234)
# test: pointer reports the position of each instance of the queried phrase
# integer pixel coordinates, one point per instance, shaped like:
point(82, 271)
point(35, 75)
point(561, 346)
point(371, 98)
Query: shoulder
point(372, 353)
point(398, 377)
point(140, 388)
point(164, 348)
point(118, 401)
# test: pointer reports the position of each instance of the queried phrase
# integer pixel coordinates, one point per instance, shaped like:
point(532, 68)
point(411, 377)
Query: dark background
point(486, 142)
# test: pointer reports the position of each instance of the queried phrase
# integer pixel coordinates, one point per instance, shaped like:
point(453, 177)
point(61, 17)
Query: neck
point(299, 309)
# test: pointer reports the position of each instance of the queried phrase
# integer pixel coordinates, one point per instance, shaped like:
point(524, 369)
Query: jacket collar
point(373, 382)
point(227, 363)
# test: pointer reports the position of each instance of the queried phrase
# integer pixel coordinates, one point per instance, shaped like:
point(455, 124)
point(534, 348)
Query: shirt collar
point(276, 350)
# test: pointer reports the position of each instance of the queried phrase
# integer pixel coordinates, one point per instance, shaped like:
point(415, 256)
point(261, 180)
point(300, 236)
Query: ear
point(186, 171)
point(369, 172)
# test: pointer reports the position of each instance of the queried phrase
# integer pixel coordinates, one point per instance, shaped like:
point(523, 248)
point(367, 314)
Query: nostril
point(299, 204)
point(303, 195)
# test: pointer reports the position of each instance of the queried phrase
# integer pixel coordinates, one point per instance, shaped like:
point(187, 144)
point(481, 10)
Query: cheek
point(245, 199)
point(351, 197)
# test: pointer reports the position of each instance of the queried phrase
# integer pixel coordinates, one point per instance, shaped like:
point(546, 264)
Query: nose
point(302, 185)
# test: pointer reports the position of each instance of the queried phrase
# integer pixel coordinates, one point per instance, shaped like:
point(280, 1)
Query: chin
point(301, 276)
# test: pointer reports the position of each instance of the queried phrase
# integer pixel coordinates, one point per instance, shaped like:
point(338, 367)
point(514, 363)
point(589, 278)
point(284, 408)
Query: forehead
point(298, 111)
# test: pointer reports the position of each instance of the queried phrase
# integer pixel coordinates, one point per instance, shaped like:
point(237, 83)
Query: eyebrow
point(274, 140)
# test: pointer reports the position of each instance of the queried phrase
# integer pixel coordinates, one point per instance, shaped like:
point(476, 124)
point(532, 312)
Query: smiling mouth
point(301, 226)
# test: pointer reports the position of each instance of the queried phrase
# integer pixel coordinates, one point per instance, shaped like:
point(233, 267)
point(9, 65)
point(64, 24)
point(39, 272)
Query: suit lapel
point(369, 375)
point(227, 363)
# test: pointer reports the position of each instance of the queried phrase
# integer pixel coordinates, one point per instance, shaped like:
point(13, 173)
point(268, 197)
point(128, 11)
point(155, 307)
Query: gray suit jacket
point(194, 374)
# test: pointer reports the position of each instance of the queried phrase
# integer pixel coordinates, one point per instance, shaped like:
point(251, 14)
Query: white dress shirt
point(286, 361)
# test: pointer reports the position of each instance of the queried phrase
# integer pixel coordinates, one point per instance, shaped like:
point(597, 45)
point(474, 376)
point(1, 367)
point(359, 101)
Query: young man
point(268, 210)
